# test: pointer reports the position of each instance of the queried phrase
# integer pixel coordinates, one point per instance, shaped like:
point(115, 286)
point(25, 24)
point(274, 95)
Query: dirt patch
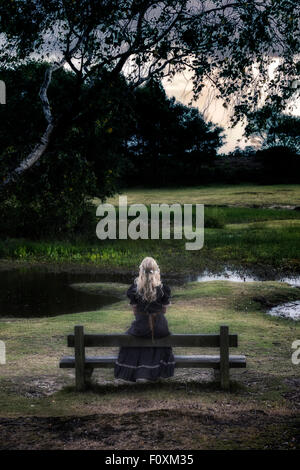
point(251, 192)
point(293, 395)
point(36, 387)
point(161, 429)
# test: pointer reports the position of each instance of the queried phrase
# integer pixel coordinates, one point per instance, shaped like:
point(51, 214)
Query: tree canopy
point(170, 143)
point(274, 129)
point(116, 138)
point(218, 40)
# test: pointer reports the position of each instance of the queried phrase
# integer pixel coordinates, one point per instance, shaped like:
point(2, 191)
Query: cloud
point(213, 110)
point(211, 107)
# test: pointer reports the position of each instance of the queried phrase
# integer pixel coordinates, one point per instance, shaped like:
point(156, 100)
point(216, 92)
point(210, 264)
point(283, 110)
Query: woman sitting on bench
point(149, 298)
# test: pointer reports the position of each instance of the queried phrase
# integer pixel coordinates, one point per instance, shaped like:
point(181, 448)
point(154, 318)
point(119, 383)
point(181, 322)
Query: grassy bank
point(270, 244)
point(260, 412)
point(237, 236)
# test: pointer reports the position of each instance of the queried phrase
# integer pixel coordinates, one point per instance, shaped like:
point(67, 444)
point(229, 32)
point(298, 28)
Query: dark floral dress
point(145, 362)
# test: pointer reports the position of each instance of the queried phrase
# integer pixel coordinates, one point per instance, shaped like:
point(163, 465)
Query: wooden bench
point(85, 365)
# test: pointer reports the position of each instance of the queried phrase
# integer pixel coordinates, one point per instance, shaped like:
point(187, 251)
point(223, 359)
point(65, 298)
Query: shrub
point(214, 218)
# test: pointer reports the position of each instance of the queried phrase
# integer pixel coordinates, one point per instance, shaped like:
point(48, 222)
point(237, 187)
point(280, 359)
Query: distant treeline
point(274, 165)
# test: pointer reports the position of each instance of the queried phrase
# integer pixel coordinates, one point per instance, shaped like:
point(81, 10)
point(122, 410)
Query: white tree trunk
point(36, 153)
point(40, 148)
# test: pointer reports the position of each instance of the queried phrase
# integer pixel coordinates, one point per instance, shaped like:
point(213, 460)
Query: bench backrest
point(188, 340)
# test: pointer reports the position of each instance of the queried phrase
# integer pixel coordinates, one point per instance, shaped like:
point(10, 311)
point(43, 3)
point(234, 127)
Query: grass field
point(240, 236)
point(238, 195)
point(269, 244)
point(262, 410)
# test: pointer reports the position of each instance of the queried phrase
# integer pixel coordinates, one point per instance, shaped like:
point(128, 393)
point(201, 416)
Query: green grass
point(237, 236)
point(238, 195)
point(238, 215)
point(272, 243)
point(34, 347)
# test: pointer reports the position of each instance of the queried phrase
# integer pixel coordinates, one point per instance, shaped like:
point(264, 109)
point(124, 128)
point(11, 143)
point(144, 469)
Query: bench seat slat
point(197, 340)
point(195, 361)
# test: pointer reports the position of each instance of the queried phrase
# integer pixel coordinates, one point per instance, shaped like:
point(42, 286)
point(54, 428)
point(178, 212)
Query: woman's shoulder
point(132, 290)
point(166, 289)
point(165, 294)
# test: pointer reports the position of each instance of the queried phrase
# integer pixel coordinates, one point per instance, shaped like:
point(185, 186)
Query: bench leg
point(224, 357)
point(217, 375)
point(88, 374)
point(79, 359)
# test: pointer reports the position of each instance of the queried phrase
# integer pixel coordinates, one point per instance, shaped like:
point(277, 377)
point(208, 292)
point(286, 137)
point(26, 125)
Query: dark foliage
point(110, 136)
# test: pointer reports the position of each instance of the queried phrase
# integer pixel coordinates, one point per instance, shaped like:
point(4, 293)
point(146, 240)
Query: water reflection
point(32, 292)
point(244, 276)
point(289, 310)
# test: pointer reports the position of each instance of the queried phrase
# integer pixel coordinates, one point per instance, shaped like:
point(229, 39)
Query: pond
point(33, 292)
point(245, 276)
point(288, 310)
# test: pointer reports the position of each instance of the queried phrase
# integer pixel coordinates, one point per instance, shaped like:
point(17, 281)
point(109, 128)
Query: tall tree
point(171, 142)
point(219, 40)
point(274, 129)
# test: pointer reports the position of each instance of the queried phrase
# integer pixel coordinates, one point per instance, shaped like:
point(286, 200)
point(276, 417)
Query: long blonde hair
point(148, 279)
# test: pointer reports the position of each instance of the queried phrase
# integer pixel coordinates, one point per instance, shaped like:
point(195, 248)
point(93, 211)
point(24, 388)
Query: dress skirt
point(144, 363)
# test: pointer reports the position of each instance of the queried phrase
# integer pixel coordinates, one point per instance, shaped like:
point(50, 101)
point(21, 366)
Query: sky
point(210, 107)
point(213, 110)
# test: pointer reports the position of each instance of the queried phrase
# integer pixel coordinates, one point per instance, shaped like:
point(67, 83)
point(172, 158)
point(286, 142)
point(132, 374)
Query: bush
point(50, 200)
point(214, 218)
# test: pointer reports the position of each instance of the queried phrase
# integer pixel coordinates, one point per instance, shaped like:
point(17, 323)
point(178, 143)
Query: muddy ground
point(204, 419)
point(157, 429)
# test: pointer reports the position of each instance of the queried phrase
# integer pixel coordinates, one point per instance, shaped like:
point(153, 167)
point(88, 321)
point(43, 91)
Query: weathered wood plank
point(198, 341)
point(224, 357)
point(79, 358)
point(195, 361)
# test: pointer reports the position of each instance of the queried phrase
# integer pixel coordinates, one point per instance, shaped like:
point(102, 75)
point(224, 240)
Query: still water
point(236, 276)
point(288, 310)
point(32, 292)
